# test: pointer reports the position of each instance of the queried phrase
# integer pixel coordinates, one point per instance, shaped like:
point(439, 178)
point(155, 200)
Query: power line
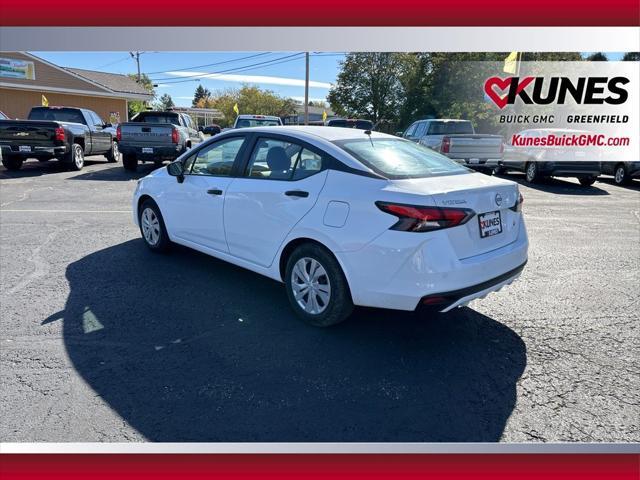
point(213, 64)
point(114, 62)
point(271, 62)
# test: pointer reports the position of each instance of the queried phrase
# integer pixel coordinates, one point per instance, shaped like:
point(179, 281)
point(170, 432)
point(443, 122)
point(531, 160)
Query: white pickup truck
point(457, 140)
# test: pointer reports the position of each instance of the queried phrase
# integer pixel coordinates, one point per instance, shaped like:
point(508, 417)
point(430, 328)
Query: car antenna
point(368, 132)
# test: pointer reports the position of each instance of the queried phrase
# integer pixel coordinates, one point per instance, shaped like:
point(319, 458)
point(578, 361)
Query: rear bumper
point(398, 270)
point(164, 152)
point(482, 164)
point(36, 151)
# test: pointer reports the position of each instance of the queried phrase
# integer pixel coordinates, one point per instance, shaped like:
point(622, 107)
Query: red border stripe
point(312, 467)
point(325, 13)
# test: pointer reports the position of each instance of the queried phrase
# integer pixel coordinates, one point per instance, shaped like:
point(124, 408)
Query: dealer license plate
point(147, 150)
point(24, 148)
point(490, 224)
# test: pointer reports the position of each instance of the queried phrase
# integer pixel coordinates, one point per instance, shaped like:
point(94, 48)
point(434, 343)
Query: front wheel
point(12, 163)
point(152, 227)
point(316, 286)
point(587, 181)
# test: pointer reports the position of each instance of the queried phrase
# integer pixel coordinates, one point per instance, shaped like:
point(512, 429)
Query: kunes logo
point(548, 90)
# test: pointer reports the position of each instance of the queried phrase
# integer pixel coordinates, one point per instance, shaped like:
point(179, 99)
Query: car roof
point(330, 134)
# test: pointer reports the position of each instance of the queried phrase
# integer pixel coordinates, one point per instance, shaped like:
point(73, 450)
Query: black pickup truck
point(64, 133)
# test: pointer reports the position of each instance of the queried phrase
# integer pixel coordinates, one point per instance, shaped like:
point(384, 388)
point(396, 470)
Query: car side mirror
point(399, 134)
point(176, 169)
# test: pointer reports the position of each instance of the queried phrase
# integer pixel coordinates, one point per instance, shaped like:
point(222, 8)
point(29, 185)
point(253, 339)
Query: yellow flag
point(236, 109)
point(511, 63)
point(324, 116)
point(45, 102)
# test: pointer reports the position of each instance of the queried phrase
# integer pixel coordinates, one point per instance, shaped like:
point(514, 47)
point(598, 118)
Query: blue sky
point(282, 72)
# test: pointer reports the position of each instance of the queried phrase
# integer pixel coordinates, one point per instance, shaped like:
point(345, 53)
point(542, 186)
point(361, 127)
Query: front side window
point(396, 159)
point(421, 129)
point(216, 159)
point(410, 130)
point(282, 160)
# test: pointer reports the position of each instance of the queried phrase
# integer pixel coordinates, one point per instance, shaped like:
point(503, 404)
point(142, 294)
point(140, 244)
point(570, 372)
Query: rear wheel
point(620, 175)
point(130, 162)
point(587, 181)
point(532, 172)
point(113, 155)
point(12, 163)
point(316, 286)
point(74, 160)
point(152, 227)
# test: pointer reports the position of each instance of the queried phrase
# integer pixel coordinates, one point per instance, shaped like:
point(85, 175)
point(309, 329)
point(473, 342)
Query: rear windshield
point(256, 122)
point(396, 158)
point(450, 128)
point(67, 115)
point(173, 119)
point(358, 124)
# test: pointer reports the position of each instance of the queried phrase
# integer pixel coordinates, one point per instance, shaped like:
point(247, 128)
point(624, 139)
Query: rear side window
point(450, 128)
point(396, 159)
point(282, 160)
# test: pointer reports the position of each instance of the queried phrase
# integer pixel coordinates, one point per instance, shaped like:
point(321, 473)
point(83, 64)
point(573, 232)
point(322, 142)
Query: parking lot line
point(2, 210)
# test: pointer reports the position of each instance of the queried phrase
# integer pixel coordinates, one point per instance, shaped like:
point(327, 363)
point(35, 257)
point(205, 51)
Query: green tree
point(165, 102)
point(369, 85)
point(631, 57)
point(136, 106)
point(250, 99)
point(200, 93)
point(597, 57)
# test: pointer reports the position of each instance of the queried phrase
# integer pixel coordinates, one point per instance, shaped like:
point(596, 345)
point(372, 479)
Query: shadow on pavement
point(116, 173)
point(188, 348)
point(634, 184)
point(559, 186)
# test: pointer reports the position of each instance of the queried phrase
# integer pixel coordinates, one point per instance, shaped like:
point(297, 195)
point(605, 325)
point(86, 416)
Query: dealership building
point(25, 78)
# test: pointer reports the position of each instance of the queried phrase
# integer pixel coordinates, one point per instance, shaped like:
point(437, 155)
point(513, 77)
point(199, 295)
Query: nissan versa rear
point(342, 217)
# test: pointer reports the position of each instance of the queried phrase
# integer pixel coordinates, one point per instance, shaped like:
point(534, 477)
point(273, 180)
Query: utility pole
point(306, 90)
point(136, 57)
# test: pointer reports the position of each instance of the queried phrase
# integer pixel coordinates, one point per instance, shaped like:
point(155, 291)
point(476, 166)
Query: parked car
point(457, 140)
point(350, 123)
point(211, 130)
point(244, 121)
point(156, 137)
point(64, 133)
point(623, 172)
point(540, 162)
point(341, 216)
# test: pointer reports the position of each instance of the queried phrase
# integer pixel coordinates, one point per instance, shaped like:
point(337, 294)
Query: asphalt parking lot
point(101, 340)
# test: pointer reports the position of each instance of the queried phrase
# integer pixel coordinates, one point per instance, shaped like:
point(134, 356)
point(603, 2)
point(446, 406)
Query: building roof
point(115, 82)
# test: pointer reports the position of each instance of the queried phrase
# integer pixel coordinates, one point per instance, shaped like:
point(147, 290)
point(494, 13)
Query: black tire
point(532, 172)
point(499, 170)
point(339, 305)
point(74, 159)
point(113, 155)
point(12, 163)
point(587, 181)
point(130, 162)
point(620, 175)
point(161, 243)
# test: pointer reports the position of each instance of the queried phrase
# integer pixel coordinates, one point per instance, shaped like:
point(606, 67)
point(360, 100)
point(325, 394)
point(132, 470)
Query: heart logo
point(503, 84)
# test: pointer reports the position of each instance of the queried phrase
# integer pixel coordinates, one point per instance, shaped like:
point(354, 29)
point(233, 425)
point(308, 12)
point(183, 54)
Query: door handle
point(214, 191)
point(296, 193)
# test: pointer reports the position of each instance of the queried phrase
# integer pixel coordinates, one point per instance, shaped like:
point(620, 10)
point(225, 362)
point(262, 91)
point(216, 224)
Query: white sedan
point(342, 217)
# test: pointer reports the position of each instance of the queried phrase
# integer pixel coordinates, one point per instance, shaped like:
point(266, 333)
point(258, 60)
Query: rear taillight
point(518, 205)
point(60, 136)
point(174, 135)
point(445, 146)
point(118, 133)
point(413, 218)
